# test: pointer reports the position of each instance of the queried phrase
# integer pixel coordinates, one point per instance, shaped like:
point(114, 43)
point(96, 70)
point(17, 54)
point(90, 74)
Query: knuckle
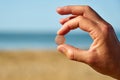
point(91, 61)
point(80, 18)
point(106, 28)
point(87, 7)
point(71, 56)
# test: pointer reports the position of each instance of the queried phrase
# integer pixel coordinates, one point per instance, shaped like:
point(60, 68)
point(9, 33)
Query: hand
point(104, 53)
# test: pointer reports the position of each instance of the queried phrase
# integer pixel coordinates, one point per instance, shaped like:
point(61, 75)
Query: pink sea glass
point(60, 39)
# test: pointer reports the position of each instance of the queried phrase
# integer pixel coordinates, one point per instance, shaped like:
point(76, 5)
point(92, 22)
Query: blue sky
point(40, 15)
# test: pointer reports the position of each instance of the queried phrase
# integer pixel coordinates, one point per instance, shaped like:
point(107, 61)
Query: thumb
point(72, 52)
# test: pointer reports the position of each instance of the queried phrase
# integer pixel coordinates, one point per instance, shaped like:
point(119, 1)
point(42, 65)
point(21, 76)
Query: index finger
point(83, 10)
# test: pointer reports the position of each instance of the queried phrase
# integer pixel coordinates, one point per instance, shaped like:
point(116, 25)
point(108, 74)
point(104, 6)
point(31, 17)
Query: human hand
point(104, 53)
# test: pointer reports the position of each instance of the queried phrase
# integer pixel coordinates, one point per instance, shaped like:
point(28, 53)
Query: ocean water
point(42, 41)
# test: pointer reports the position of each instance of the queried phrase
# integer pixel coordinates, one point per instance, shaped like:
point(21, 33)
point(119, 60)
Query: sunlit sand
point(43, 65)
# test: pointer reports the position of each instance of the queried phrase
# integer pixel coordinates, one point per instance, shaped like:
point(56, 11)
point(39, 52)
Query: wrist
point(117, 75)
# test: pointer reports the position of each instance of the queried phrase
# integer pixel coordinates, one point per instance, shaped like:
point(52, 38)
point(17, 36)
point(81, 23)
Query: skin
point(104, 53)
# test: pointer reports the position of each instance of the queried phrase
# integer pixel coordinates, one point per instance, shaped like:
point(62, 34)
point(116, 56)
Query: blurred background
point(27, 32)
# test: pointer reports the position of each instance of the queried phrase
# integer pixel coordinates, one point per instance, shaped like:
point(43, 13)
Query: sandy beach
point(43, 65)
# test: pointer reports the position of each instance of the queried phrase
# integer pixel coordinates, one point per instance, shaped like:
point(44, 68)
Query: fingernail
point(58, 32)
point(62, 50)
point(59, 8)
point(61, 30)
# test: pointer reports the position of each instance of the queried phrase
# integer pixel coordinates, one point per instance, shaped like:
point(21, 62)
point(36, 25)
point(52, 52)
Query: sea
point(42, 40)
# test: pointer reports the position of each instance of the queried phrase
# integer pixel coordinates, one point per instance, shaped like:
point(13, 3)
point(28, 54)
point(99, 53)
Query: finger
point(86, 11)
point(64, 20)
point(73, 53)
point(81, 22)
